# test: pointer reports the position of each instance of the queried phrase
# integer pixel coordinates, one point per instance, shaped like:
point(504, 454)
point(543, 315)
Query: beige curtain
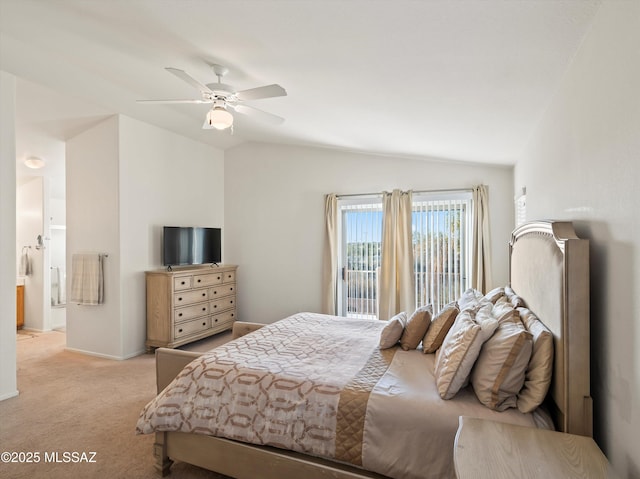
point(481, 260)
point(330, 257)
point(396, 290)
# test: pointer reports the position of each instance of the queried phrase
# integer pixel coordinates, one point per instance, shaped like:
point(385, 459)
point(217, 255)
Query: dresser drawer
point(182, 282)
point(191, 327)
point(206, 279)
point(222, 290)
point(222, 304)
point(226, 317)
point(188, 297)
point(229, 277)
point(188, 312)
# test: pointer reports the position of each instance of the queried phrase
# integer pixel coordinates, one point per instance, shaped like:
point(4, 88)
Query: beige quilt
point(319, 385)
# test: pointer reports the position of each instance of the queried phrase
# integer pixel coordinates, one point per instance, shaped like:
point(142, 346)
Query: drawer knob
point(199, 280)
point(231, 302)
point(182, 282)
point(215, 292)
point(204, 294)
point(215, 306)
point(231, 289)
point(204, 324)
point(179, 314)
point(218, 277)
point(232, 315)
point(216, 320)
point(204, 309)
point(180, 330)
point(179, 299)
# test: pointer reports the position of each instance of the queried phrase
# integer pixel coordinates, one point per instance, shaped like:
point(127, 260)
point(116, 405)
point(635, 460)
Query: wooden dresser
point(188, 304)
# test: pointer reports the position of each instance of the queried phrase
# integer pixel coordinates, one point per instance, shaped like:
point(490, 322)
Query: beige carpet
point(70, 402)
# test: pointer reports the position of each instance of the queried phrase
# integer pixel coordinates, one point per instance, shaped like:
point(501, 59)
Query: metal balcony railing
point(437, 289)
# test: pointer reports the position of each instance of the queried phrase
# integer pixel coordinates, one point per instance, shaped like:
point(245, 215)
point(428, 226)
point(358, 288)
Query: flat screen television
point(190, 245)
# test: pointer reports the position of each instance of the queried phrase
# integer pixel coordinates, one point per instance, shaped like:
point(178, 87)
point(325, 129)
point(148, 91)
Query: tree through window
point(441, 246)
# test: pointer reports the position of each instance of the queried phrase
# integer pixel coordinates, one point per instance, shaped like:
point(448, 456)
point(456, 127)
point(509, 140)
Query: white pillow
point(391, 333)
point(461, 348)
point(503, 310)
point(494, 295)
point(515, 300)
point(470, 299)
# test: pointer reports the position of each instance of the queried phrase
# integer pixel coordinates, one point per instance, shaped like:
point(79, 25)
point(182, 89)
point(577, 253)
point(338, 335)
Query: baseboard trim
point(106, 356)
point(92, 353)
point(9, 395)
point(135, 354)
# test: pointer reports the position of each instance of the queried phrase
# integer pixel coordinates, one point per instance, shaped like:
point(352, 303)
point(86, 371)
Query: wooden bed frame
point(548, 267)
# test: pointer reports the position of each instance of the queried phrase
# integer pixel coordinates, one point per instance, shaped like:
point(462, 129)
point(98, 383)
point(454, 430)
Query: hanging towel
point(87, 279)
point(25, 263)
point(55, 285)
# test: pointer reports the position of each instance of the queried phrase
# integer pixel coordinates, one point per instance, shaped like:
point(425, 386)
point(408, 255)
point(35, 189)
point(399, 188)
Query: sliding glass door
point(441, 228)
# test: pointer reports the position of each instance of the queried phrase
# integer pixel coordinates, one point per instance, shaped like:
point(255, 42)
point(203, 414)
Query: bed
point(548, 268)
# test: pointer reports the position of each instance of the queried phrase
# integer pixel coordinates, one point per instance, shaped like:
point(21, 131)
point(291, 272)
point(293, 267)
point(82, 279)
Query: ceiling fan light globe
point(219, 118)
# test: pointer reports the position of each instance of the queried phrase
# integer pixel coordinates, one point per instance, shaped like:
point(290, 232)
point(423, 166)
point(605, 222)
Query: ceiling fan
point(224, 97)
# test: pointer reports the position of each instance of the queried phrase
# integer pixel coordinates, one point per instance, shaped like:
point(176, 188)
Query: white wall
point(93, 227)
point(274, 215)
point(583, 164)
point(125, 180)
point(165, 179)
point(8, 382)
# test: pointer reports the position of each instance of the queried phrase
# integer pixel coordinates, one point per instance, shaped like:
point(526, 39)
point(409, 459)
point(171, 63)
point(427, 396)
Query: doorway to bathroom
point(41, 248)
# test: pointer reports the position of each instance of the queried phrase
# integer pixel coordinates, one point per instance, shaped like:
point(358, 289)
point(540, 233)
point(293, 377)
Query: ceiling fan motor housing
point(221, 89)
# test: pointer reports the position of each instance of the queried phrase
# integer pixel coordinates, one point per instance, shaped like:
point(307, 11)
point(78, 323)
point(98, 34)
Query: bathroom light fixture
point(218, 117)
point(34, 162)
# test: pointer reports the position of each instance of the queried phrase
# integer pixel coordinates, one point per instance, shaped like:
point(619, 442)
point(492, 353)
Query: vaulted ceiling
point(458, 80)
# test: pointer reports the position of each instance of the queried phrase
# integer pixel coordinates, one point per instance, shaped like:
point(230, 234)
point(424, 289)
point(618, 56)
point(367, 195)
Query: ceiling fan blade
point(267, 91)
point(258, 114)
point(189, 79)
point(174, 101)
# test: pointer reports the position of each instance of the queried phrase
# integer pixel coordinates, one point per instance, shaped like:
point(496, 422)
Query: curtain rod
point(445, 190)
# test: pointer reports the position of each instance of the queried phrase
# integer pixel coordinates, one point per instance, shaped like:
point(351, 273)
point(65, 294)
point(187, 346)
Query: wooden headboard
point(549, 268)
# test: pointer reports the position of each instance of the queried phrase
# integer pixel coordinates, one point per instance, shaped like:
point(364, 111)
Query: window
point(441, 224)
point(360, 233)
point(521, 207)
